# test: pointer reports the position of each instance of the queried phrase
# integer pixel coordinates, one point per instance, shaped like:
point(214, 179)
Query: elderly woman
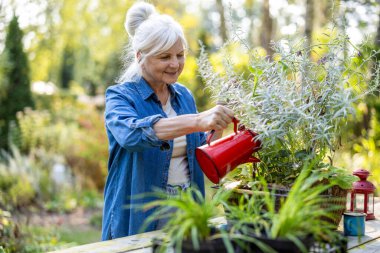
point(152, 123)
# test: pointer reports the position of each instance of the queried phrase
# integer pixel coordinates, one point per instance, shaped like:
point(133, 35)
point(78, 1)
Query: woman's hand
point(216, 118)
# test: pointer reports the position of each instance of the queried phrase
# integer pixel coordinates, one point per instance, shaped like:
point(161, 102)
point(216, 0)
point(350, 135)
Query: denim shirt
point(139, 161)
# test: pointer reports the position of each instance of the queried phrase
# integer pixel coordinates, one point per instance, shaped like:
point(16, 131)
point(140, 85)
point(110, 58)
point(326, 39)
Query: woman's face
point(166, 67)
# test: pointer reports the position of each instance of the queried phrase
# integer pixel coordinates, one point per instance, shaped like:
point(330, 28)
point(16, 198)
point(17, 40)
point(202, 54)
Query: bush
point(26, 180)
point(18, 239)
point(96, 220)
point(297, 106)
point(88, 157)
point(39, 129)
point(15, 79)
point(18, 180)
point(74, 130)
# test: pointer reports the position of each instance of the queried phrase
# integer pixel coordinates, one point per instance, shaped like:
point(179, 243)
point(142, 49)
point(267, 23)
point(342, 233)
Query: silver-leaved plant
point(297, 105)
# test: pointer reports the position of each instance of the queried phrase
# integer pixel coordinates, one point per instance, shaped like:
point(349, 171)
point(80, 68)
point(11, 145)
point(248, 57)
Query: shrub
point(298, 106)
point(88, 157)
point(17, 94)
point(19, 239)
point(38, 129)
point(18, 180)
point(73, 130)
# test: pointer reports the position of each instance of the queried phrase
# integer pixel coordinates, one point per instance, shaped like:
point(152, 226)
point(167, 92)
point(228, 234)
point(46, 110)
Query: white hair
point(150, 34)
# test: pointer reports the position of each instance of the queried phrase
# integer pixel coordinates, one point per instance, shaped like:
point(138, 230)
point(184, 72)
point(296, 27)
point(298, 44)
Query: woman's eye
point(165, 57)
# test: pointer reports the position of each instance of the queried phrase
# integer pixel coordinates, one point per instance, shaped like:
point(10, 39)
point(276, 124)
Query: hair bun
point(136, 15)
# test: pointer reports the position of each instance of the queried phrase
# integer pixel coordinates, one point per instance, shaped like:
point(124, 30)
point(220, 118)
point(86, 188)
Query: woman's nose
point(174, 63)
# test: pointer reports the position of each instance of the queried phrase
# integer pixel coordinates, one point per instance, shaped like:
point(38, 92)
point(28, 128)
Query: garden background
point(59, 56)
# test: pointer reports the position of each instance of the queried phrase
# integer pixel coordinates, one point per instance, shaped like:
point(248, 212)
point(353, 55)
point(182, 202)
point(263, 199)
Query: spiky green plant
point(188, 217)
point(301, 214)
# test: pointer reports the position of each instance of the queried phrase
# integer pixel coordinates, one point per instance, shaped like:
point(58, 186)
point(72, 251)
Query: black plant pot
point(212, 246)
point(279, 195)
point(208, 246)
point(280, 245)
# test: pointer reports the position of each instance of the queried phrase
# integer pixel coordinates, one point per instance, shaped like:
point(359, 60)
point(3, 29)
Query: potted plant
point(298, 106)
point(256, 226)
point(253, 225)
point(188, 227)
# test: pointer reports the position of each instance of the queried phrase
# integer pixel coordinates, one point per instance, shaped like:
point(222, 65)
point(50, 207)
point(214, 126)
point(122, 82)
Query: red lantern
point(362, 195)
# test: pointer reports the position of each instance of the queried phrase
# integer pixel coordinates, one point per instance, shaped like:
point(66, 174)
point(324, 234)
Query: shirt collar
point(146, 91)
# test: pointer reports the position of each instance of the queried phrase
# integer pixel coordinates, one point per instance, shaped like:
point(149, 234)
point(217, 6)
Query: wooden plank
point(136, 243)
point(372, 232)
point(369, 247)
point(370, 242)
point(142, 243)
point(125, 244)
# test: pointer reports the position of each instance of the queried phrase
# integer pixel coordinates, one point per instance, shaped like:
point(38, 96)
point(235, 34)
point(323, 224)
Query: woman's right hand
point(216, 118)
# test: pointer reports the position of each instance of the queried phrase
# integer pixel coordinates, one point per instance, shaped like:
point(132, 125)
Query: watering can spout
point(216, 159)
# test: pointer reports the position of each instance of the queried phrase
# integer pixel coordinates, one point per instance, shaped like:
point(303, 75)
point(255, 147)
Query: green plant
point(70, 131)
point(364, 151)
point(16, 83)
point(15, 238)
point(297, 106)
point(96, 221)
point(18, 180)
point(25, 180)
point(88, 159)
point(70, 199)
point(41, 129)
point(188, 217)
point(300, 215)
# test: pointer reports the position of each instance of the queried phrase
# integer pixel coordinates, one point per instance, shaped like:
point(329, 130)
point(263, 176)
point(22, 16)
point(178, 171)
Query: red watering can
point(225, 154)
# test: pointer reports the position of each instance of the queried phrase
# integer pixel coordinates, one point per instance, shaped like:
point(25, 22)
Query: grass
point(79, 236)
point(61, 237)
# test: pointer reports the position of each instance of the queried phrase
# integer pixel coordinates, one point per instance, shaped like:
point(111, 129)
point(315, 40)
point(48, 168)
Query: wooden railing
point(142, 243)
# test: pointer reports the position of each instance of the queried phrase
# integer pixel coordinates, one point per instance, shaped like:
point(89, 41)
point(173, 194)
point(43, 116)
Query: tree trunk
point(377, 47)
point(223, 28)
point(367, 115)
point(249, 5)
point(266, 28)
point(309, 21)
point(377, 39)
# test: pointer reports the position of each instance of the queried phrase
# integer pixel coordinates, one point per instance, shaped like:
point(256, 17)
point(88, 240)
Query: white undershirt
point(178, 169)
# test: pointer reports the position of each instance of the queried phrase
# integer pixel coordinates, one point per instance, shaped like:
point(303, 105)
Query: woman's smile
point(165, 67)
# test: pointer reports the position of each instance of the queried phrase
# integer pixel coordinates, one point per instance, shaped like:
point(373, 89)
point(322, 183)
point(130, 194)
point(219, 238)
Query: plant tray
point(335, 196)
point(334, 247)
point(339, 246)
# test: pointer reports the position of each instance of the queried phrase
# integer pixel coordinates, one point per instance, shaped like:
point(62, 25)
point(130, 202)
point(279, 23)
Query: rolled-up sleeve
point(123, 122)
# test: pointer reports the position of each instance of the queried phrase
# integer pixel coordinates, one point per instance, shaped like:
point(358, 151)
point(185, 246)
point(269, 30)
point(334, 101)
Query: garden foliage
point(297, 105)
point(16, 93)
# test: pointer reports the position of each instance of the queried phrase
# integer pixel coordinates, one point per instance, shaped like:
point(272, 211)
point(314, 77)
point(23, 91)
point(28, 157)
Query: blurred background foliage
point(57, 57)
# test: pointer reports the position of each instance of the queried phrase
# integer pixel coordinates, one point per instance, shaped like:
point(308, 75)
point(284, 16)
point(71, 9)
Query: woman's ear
point(138, 56)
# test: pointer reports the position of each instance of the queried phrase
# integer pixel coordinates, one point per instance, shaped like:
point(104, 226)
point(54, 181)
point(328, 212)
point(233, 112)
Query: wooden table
point(370, 242)
point(141, 243)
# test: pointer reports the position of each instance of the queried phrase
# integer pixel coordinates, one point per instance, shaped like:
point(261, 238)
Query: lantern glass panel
point(370, 203)
point(359, 202)
point(348, 203)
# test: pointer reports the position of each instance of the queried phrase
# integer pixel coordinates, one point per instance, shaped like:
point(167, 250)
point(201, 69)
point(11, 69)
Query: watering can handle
point(211, 133)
